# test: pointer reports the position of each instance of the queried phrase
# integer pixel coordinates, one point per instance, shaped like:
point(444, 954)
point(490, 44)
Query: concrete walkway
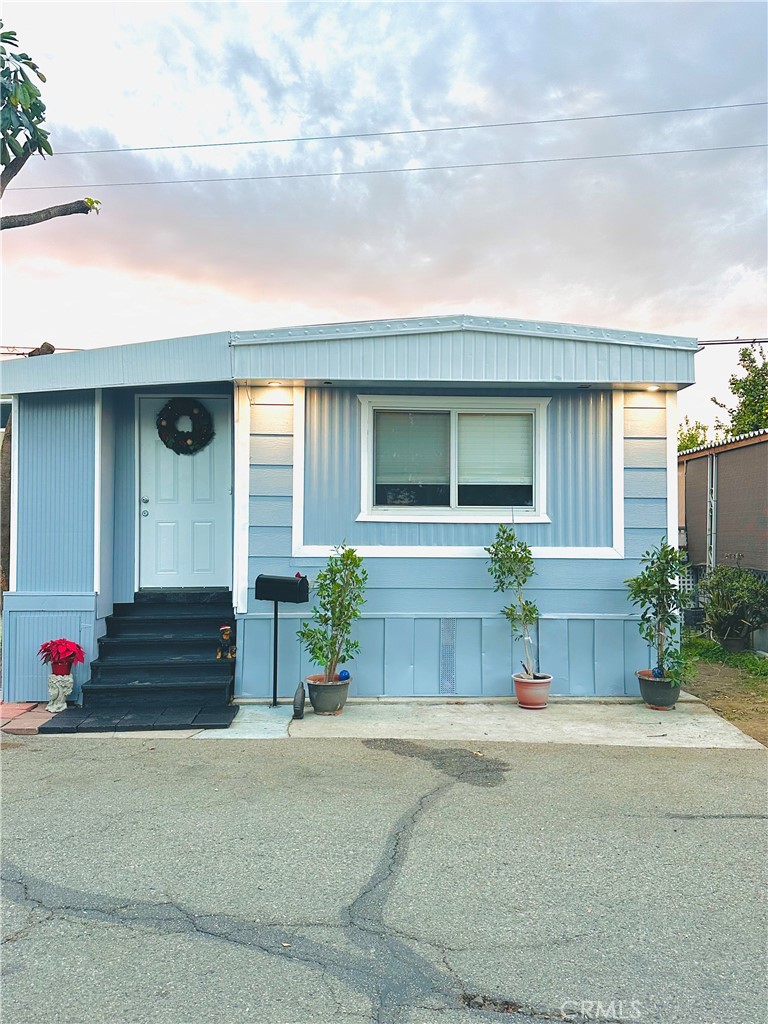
point(607, 722)
point(613, 723)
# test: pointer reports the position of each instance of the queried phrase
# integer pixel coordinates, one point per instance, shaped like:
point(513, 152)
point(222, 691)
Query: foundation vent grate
point(448, 656)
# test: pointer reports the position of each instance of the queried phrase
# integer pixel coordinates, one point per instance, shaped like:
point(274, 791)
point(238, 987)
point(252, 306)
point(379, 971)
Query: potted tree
point(340, 591)
point(61, 655)
point(511, 566)
point(657, 592)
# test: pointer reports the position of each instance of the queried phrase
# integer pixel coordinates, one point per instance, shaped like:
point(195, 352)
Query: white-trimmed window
point(463, 459)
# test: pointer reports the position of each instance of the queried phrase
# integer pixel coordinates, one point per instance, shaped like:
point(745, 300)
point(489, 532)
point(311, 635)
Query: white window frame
point(536, 407)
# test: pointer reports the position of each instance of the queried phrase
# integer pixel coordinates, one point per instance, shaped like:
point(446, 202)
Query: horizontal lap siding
point(578, 479)
point(270, 510)
point(645, 472)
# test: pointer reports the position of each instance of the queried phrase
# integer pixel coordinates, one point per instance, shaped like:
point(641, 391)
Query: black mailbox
point(288, 589)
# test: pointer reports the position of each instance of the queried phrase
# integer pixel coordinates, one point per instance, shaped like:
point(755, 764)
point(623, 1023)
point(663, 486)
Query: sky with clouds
point(673, 243)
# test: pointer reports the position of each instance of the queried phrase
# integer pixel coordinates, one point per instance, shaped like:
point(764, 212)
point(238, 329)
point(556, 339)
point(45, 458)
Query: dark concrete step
point(168, 627)
point(143, 649)
point(190, 595)
point(118, 718)
point(172, 670)
point(176, 612)
point(156, 693)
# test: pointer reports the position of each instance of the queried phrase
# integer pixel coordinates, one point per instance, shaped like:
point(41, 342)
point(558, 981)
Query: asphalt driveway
point(380, 880)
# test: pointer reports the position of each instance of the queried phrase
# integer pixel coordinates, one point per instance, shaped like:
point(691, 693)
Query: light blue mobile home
point(408, 439)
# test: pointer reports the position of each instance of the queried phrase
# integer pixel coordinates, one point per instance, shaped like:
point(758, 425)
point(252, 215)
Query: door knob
point(145, 501)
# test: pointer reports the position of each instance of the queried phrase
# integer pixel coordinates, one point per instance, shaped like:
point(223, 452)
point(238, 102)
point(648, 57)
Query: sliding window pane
point(495, 459)
point(412, 458)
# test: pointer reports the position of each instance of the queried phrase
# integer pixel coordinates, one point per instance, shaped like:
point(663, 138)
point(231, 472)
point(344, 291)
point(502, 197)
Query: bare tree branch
point(23, 220)
point(12, 169)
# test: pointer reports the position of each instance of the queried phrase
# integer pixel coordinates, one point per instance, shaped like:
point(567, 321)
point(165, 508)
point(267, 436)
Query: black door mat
point(121, 717)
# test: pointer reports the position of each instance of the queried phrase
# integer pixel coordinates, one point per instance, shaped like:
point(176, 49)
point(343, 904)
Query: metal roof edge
point(463, 322)
point(111, 365)
point(751, 436)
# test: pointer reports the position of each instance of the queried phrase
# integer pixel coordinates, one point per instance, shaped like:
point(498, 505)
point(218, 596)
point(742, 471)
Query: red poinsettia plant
point(61, 654)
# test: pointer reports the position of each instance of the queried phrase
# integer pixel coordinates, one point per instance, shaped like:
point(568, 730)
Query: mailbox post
point(288, 589)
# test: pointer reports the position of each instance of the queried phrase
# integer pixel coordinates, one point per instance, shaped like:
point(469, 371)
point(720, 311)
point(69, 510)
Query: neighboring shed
point(410, 439)
point(723, 502)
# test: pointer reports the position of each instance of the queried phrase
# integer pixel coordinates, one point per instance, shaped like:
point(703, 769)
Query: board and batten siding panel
point(589, 657)
point(578, 478)
point(56, 481)
point(30, 620)
point(126, 499)
point(465, 655)
point(104, 597)
point(645, 471)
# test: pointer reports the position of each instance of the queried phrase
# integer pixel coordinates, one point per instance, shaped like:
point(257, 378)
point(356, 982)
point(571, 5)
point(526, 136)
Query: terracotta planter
point(657, 693)
point(327, 698)
point(532, 693)
point(62, 668)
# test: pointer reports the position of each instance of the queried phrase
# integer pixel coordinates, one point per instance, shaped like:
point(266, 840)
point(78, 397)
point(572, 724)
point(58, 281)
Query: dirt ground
point(734, 694)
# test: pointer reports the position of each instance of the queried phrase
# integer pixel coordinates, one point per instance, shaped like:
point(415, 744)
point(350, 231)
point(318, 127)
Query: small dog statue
point(227, 647)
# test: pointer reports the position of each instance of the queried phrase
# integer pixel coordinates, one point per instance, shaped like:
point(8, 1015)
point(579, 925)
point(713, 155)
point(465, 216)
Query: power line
point(735, 341)
point(412, 131)
point(388, 170)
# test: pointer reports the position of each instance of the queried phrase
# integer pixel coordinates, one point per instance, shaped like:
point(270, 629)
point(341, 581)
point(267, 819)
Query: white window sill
point(450, 516)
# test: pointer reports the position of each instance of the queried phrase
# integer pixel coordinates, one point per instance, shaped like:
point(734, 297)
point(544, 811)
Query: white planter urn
point(59, 688)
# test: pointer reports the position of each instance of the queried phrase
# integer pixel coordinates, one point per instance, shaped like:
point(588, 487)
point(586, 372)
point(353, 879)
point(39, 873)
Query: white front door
point(185, 504)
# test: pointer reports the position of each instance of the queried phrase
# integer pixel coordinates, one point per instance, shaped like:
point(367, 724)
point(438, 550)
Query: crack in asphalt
point(384, 966)
point(718, 817)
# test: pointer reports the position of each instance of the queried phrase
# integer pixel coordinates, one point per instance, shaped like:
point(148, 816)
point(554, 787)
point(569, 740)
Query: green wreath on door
point(185, 442)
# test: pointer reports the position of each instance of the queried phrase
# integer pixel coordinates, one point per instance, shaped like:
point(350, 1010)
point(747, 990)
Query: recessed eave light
point(653, 387)
point(274, 384)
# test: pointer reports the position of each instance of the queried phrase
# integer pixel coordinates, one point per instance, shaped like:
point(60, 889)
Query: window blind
point(412, 447)
point(495, 448)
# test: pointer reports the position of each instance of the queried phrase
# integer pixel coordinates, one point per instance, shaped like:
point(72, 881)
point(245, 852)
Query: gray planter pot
point(657, 694)
point(736, 644)
point(327, 698)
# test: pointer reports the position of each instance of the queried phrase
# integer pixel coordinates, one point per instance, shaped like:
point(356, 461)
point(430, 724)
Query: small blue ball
point(658, 673)
point(343, 676)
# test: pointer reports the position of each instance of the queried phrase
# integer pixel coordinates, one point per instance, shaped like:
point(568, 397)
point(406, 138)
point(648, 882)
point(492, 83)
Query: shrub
point(735, 602)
